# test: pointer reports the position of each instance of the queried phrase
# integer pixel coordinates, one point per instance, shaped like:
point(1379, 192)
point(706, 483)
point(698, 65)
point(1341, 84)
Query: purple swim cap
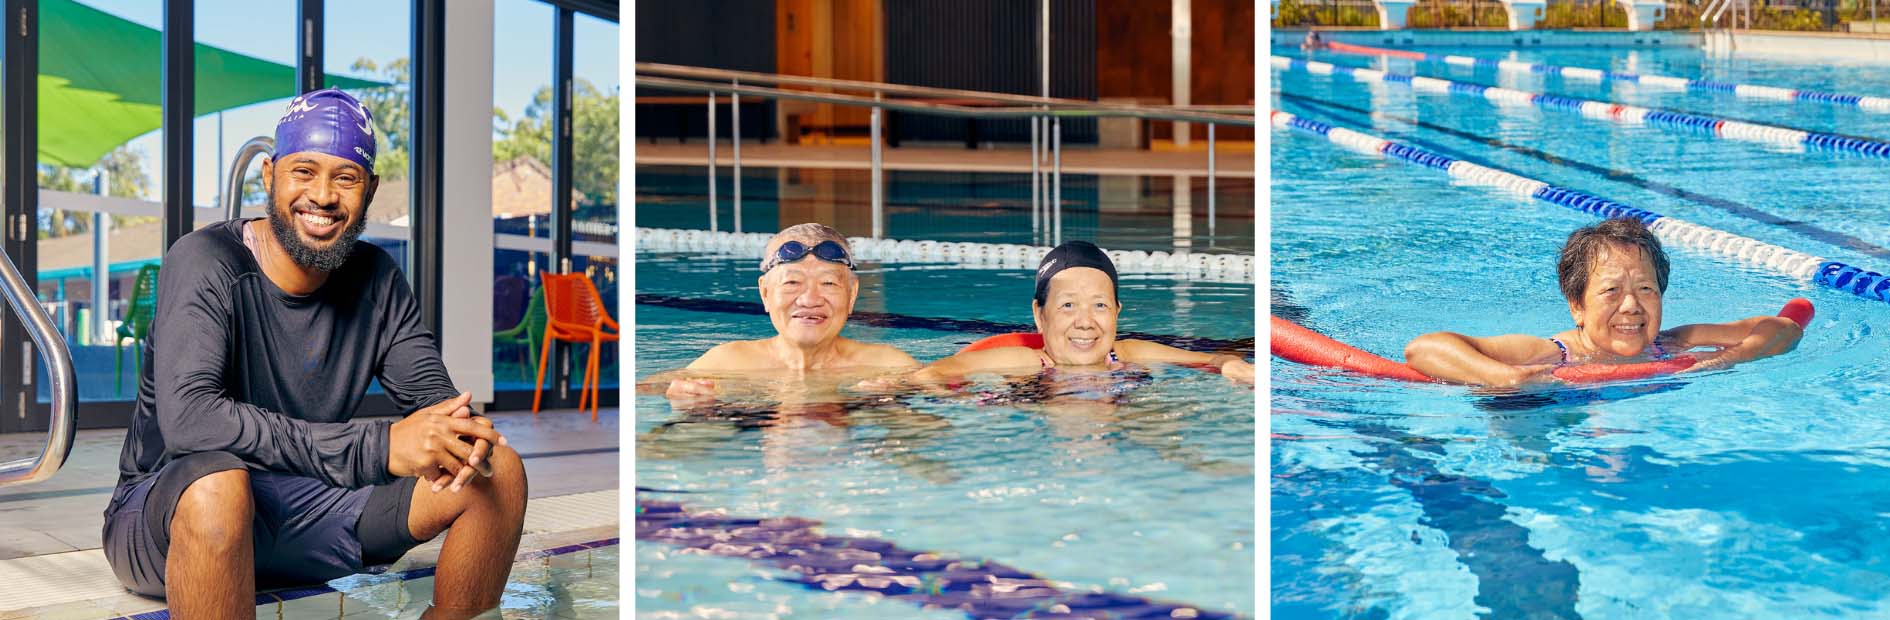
point(330, 122)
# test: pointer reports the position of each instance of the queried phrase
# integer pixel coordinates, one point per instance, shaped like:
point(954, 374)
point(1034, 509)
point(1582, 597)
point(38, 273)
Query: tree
point(594, 131)
point(594, 139)
point(391, 107)
point(125, 178)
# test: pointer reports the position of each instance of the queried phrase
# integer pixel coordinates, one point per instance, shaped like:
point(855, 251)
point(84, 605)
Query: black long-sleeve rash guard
point(234, 364)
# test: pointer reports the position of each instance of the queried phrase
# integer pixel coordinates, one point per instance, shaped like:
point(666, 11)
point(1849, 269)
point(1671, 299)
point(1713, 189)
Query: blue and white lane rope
point(1672, 231)
point(1203, 266)
point(1749, 91)
point(1602, 110)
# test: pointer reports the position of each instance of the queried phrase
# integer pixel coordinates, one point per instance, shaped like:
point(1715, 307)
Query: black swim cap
point(1068, 255)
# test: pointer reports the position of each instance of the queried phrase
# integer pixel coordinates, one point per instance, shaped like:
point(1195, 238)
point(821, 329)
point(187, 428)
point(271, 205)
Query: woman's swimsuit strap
point(1563, 347)
point(1657, 352)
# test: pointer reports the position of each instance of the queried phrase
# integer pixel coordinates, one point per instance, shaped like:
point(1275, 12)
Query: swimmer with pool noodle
point(1076, 308)
point(1613, 275)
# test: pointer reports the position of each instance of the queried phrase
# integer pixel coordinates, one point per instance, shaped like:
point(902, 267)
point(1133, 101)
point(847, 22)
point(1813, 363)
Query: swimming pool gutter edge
point(546, 535)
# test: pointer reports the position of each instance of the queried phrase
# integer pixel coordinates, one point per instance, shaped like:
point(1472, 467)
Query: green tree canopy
point(594, 131)
point(392, 109)
point(594, 137)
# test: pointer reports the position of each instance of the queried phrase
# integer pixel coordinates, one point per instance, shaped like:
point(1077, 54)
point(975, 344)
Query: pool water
point(576, 582)
point(948, 505)
point(1753, 492)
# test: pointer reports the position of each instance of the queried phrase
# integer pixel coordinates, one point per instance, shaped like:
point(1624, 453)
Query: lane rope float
point(1748, 91)
point(1673, 231)
point(1187, 265)
point(1696, 124)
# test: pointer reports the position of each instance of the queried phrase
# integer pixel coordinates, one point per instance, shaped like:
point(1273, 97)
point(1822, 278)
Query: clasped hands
point(443, 444)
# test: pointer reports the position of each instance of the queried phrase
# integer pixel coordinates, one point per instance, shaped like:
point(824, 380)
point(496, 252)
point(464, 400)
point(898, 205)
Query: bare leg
point(211, 569)
point(485, 519)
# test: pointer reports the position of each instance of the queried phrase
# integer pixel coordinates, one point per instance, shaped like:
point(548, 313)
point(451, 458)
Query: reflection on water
point(1136, 483)
point(574, 582)
point(1753, 492)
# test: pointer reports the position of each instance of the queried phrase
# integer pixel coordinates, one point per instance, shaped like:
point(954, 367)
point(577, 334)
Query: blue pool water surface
point(1754, 492)
point(1142, 506)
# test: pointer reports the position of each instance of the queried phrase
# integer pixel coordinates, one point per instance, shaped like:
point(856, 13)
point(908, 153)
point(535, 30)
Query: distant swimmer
point(1313, 41)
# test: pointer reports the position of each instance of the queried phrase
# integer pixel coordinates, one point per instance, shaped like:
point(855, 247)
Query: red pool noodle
point(1596, 373)
point(1298, 344)
point(1021, 339)
point(1035, 341)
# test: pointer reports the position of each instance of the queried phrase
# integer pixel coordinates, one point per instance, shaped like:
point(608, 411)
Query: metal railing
point(233, 187)
point(1046, 115)
point(65, 392)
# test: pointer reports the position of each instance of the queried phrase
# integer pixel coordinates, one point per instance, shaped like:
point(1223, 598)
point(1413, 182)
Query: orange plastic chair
point(576, 315)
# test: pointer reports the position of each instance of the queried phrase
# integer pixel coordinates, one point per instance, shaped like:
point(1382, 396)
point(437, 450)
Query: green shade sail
point(100, 83)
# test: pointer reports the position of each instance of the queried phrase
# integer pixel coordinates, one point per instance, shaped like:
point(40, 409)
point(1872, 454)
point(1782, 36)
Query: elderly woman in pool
point(1076, 310)
point(1613, 275)
point(808, 288)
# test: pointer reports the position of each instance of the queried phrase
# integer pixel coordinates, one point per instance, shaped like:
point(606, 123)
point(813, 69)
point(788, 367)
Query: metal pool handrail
point(1052, 112)
point(703, 74)
point(233, 189)
point(65, 394)
point(1160, 113)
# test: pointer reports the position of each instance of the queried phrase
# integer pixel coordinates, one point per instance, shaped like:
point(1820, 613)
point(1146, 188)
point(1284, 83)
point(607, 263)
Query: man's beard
point(282, 222)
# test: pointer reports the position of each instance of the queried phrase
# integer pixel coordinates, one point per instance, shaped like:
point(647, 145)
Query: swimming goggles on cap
point(794, 250)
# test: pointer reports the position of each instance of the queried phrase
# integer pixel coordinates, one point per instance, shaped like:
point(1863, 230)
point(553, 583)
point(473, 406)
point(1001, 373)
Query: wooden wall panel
point(1132, 49)
point(856, 52)
point(839, 39)
point(1133, 56)
point(1222, 51)
point(794, 40)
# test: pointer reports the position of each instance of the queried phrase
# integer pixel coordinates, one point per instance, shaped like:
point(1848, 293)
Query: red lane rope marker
point(1360, 49)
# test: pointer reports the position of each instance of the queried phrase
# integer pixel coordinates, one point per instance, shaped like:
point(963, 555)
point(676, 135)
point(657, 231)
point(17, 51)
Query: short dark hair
point(1586, 244)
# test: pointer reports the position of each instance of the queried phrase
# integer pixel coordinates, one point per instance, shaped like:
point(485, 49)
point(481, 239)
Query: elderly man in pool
point(1613, 275)
point(1076, 309)
point(808, 288)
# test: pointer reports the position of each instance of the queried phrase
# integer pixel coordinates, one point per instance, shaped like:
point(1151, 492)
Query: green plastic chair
point(137, 323)
point(529, 331)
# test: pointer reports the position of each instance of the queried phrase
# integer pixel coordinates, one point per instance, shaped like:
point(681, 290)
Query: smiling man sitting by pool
point(1076, 308)
point(243, 466)
point(1613, 275)
point(808, 288)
